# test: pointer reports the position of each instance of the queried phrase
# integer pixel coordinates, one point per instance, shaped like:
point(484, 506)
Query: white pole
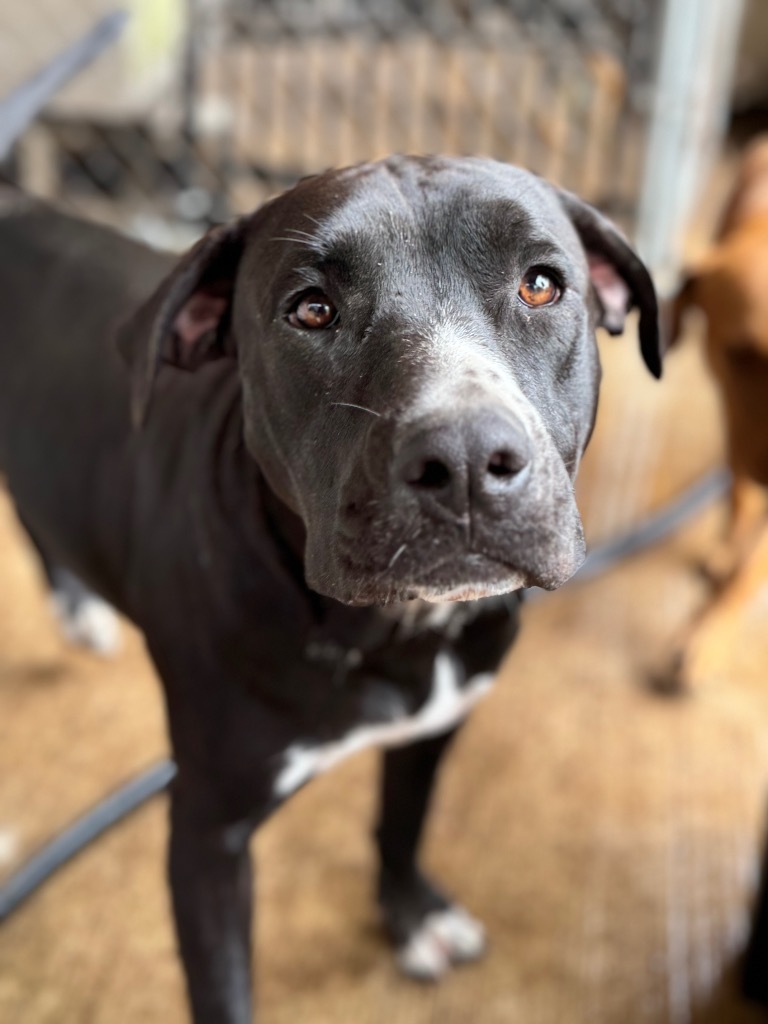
point(699, 41)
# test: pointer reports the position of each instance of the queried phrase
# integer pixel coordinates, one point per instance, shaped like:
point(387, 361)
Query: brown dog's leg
point(749, 506)
point(747, 513)
point(711, 635)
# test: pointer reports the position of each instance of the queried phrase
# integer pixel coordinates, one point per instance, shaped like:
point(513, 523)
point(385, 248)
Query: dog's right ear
point(185, 322)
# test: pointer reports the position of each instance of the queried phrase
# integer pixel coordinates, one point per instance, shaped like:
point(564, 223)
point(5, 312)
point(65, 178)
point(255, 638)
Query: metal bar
point(699, 39)
point(18, 110)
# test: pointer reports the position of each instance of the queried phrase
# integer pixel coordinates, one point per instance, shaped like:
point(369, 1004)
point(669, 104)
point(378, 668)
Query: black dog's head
point(416, 348)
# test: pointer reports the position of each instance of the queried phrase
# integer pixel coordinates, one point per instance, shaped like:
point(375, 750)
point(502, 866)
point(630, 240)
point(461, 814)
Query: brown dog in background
point(730, 287)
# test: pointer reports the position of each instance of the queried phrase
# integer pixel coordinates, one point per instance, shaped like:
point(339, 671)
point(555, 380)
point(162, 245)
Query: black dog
point(394, 378)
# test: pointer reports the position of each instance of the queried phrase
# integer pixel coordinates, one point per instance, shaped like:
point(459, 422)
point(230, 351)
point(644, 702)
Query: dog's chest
point(422, 673)
point(449, 701)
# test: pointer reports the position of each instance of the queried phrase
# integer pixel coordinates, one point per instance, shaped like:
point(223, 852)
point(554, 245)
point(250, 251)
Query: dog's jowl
point(315, 460)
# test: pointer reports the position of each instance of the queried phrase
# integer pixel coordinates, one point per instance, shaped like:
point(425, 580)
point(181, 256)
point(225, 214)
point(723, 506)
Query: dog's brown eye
point(313, 311)
point(538, 287)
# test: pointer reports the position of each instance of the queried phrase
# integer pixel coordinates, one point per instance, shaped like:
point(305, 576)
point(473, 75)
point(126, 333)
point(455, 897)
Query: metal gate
point(209, 106)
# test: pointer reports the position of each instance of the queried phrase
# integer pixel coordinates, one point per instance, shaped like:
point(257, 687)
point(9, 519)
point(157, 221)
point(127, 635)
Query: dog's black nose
point(466, 463)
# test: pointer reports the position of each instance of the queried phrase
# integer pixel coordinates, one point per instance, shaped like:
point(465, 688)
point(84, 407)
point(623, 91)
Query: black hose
point(81, 832)
point(154, 780)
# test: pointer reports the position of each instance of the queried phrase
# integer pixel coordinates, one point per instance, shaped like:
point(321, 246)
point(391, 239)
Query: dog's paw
point(444, 938)
point(88, 622)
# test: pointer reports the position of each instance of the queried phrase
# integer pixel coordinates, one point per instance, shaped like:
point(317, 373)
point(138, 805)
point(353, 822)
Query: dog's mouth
point(466, 576)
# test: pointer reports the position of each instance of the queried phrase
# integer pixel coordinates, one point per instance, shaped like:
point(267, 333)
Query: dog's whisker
point(400, 551)
point(308, 242)
point(362, 408)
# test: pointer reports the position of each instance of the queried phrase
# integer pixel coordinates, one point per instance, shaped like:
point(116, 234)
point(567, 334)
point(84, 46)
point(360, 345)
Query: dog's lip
point(471, 568)
point(460, 575)
point(470, 592)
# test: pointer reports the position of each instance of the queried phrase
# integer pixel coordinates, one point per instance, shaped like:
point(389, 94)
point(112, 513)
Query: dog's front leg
point(429, 931)
point(211, 886)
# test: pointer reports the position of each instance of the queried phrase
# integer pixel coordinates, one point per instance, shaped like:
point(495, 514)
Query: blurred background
point(205, 107)
point(605, 830)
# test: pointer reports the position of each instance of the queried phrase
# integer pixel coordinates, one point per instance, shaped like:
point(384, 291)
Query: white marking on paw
point(445, 937)
point(90, 623)
point(448, 704)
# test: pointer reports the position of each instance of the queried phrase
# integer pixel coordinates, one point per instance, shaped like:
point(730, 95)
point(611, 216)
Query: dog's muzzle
point(450, 508)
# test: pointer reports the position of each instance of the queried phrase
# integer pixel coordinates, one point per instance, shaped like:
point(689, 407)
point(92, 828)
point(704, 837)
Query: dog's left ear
point(619, 276)
point(185, 322)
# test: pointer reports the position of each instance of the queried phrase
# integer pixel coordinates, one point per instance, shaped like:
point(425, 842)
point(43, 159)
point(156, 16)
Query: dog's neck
point(287, 525)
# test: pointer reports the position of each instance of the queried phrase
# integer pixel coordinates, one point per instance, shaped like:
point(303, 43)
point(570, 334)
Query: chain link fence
point(206, 107)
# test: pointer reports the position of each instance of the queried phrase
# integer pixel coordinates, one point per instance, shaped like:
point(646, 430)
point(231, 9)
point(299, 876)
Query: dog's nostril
point(434, 474)
point(504, 463)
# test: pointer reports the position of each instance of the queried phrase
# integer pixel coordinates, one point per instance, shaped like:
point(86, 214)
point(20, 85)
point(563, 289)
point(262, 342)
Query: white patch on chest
point(447, 705)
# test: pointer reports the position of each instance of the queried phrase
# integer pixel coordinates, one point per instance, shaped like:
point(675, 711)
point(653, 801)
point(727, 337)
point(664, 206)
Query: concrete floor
point(607, 835)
